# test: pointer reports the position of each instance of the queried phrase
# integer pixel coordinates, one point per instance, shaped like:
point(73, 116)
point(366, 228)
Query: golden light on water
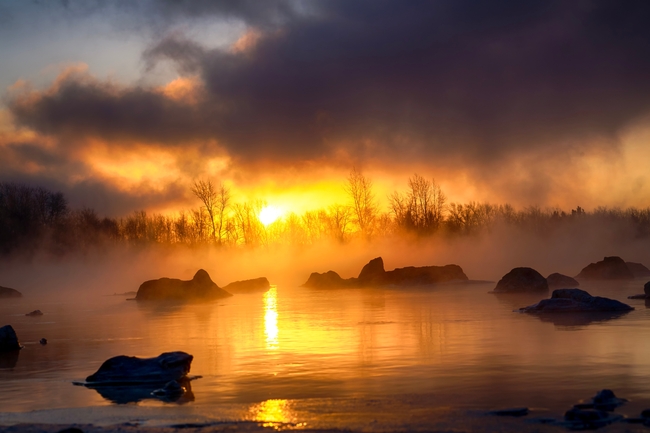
point(271, 318)
point(270, 214)
point(273, 411)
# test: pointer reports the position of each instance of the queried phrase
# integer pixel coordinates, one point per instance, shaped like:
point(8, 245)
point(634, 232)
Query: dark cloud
point(480, 79)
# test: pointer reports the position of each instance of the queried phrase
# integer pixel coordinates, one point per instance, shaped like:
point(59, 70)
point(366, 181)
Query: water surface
point(328, 357)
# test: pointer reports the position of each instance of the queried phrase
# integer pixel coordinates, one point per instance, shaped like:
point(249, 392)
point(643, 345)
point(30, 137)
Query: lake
point(329, 358)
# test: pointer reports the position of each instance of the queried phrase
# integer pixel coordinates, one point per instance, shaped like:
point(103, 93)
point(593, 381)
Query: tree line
point(34, 219)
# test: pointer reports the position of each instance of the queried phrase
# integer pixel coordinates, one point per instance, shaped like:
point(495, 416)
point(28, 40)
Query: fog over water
point(296, 355)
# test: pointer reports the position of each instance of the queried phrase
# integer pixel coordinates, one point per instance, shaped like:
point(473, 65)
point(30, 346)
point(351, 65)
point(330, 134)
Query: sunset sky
point(122, 105)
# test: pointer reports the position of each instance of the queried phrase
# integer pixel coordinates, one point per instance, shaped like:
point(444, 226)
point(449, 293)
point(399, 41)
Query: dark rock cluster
point(575, 301)
point(374, 274)
point(201, 287)
point(610, 268)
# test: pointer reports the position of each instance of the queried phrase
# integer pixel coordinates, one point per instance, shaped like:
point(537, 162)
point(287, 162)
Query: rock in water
point(638, 269)
point(130, 370)
point(6, 292)
point(373, 272)
point(575, 301)
point(201, 287)
point(326, 280)
point(34, 313)
point(248, 286)
point(521, 280)
point(559, 281)
point(414, 275)
point(610, 268)
point(8, 339)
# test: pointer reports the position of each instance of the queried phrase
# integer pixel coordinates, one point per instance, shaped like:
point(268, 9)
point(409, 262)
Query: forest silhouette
point(34, 220)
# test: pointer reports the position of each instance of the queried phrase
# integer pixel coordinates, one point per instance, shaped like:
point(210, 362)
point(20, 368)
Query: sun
point(269, 214)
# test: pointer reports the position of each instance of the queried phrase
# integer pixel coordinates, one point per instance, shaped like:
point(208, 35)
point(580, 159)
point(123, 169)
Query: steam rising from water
point(483, 257)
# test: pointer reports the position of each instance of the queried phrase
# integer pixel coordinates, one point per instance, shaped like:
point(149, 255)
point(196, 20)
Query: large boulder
point(8, 339)
point(130, 370)
point(248, 286)
point(575, 301)
point(521, 280)
point(638, 269)
point(413, 276)
point(373, 272)
point(326, 280)
point(559, 281)
point(6, 292)
point(201, 287)
point(610, 268)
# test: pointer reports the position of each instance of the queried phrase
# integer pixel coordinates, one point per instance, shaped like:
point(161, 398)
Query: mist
point(484, 256)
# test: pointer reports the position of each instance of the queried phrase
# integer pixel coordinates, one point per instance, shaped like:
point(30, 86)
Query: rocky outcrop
point(130, 370)
point(414, 276)
point(575, 301)
point(521, 280)
point(610, 268)
point(8, 339)
point(638, 269)
point(373, 274)
point(201, 287)
point(6, 292)
point(559, 281)
point(248, 286)
point(326, 280)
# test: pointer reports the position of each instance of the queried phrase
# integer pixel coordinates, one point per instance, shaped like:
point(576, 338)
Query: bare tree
point(422, 208)
point(215, 202)
point(364, 208)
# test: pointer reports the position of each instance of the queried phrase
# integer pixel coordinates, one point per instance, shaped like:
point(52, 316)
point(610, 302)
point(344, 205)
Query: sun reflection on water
point(271, 318)
point(273, 412)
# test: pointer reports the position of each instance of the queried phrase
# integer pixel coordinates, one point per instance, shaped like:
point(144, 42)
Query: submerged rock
point(201, 287)
point(589, 419)
point(6, 292)
point(607, 400)
point(248, 286)
point(575, 301)
point(515, 411)
point(34, 313)
point(610, 268)
point(559, 281)
point(129, 370)
point(8, 339)
point(373, 274)
point(521, 280)
point(638, 269)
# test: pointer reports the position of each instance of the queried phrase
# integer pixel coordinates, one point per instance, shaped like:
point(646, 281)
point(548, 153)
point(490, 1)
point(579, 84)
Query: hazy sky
point(123, 104)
